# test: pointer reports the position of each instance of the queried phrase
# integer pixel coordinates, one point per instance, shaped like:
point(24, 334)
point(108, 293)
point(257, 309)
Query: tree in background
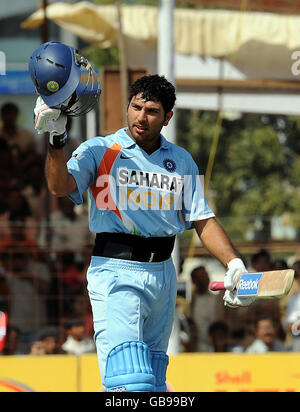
point(256, 172)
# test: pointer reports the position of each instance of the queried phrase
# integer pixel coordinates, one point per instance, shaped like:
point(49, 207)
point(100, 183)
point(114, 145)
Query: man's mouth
point(140, 129)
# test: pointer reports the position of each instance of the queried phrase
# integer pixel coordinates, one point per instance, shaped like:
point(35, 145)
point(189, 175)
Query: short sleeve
point(83, 168)
point(195, 206)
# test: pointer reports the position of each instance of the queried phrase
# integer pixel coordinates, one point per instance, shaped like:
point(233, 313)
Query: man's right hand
point(236, 268)
point(47, 119)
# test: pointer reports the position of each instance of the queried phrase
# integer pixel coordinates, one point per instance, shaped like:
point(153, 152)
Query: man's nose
point(142, 116)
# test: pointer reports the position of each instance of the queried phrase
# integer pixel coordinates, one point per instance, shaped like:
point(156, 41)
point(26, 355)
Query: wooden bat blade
point(271, 284)
point(276, 283)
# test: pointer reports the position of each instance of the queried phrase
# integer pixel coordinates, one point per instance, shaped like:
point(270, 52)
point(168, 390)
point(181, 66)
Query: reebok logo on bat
point(248, 284)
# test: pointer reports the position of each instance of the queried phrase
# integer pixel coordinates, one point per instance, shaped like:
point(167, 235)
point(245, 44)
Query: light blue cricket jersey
point(133, 192)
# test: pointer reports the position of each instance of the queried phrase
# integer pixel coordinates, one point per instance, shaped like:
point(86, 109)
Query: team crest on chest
point(169, 165)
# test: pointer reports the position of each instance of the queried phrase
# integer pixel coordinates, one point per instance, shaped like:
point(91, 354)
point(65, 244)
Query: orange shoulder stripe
point(105, 168)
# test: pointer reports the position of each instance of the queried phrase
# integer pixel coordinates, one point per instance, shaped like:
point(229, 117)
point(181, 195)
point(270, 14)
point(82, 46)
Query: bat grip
point(215, 286)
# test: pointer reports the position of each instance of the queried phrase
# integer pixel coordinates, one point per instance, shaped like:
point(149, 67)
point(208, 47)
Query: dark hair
point(280, 264)
point(262, 318)
point(196, 270)
point(9, 107)
point(296, 265)
point(218, 326)
point(3, 144)
point(73, 322)
point(156, 88)
point(48, 332)
point(261, 254)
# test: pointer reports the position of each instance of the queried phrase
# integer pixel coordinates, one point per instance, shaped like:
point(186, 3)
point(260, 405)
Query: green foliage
point(102, 57)
point(257, 165)
point(104, 2)
point(180, 4)
point(130, 2)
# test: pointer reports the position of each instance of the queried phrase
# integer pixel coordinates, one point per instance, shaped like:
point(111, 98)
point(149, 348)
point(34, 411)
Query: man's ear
point(168, 117)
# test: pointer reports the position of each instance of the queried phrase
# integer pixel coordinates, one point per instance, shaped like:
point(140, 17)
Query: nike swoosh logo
point(126, 157)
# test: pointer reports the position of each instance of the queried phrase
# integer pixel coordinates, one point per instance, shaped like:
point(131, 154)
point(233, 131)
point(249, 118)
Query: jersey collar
point(129, 143)
point(164, 143)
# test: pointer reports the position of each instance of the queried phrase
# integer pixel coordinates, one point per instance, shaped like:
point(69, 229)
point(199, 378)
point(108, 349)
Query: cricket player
point(143, 191)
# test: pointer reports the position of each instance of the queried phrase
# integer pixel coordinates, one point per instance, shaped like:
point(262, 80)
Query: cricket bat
point(271, 284)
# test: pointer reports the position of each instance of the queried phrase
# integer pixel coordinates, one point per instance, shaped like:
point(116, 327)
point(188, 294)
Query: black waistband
point(131, 247)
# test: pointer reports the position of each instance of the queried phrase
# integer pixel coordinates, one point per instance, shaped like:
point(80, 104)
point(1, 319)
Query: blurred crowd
point(268, 325)
point(45, 247)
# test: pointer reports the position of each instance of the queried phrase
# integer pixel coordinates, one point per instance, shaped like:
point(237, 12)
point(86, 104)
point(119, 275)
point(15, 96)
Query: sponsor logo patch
point(248, 284)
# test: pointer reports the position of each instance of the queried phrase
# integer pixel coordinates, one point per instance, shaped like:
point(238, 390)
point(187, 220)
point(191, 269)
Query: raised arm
point(60, 182)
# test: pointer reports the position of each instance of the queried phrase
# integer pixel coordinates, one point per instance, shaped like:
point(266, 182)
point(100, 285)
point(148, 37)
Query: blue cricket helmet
point(64, 79)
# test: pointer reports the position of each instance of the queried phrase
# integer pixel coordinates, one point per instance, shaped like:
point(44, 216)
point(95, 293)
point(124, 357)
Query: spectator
point(292, 320)
point(68, 280)
point(4, 221)
point(81, 308)
point(266, 337)
point(77, 343)
point(69, 230)
point(219, 339)
point(261, 261)
point(55, 297)
point(21, 141)
point(279, 264)
point(6, 157)
point(20, 212)
point(28, 283)
point(6, 181)
point(37, 348)
point(22, 227)
point(4, 291)
point(74, 276)
point(17, 238)
point(34, 189)
point(204, 306)
point(48, 337)
point(12, 341)
point(189, 335)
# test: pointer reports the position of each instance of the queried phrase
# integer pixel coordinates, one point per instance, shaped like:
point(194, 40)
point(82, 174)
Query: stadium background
point(236, 96)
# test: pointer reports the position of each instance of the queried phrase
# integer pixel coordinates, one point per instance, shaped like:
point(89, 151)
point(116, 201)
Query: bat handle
point(215, 286)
